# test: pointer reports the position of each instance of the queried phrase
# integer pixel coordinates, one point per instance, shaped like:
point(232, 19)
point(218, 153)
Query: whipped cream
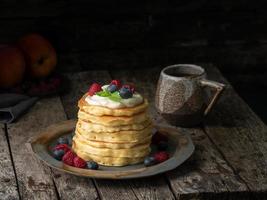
point(106, 102)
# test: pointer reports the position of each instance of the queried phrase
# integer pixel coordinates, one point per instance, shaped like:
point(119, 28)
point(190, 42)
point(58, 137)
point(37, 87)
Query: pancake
point(99, 128)
point(113, 131)
point(107, 120)
point(137, 151)
point(112, 145)
point(101, 111)
point(118, 137)
point(109, 161)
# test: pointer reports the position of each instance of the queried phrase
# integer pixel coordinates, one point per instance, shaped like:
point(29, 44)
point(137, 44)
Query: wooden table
point(230, 161)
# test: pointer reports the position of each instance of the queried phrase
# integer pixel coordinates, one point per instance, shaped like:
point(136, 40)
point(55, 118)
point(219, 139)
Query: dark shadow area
point(252, 87)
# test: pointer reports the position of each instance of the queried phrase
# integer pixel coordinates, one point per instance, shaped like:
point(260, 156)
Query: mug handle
point(219, 87)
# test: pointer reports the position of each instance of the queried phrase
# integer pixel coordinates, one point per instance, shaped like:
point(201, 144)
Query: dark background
point(101, 34)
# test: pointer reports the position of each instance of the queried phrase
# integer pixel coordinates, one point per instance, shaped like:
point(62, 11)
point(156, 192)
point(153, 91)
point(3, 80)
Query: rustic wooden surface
point(34, 179)
point(229, 161)
point(241, 137)
point(212, 176)
point(37, 181)
point(110, 189)
point(8, 185)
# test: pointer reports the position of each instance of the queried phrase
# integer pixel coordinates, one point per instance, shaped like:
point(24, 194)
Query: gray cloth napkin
point(14, 105)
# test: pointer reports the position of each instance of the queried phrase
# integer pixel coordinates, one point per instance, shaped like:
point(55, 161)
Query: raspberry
point(116, 82)
point(63, 147)
point(95, 87)
point(159, 137)
point(130, 87)
point(79, 162)
point(68, 158)
point(161, 156)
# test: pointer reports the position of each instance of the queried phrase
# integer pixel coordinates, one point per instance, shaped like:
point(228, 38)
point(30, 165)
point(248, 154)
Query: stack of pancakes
point(112, 137)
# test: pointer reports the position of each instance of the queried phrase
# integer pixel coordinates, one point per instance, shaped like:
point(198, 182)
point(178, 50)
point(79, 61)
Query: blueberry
point(149, 161)
point(112, 88)
point(58, 154)
point(162, 146)
point(125, 93)
point(92, 165)
point(62, 140)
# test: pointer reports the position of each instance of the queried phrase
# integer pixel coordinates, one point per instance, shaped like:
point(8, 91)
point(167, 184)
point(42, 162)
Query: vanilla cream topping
point(106, 102)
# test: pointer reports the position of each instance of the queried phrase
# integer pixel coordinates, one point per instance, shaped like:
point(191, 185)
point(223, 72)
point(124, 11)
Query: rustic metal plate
point(180, 149)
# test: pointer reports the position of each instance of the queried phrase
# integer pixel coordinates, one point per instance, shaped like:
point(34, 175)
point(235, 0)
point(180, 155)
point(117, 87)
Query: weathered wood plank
point(36, 181)
point(111, 190)
point(135, 41)
point(139, 37)
point(206, 174)
point(8, 185)
point(145, 188)
point(61, 8)
point(73, 187)
point(80, 35)
point(240, 136)
point(93, 34)
point(48, 8)
point(148, 188)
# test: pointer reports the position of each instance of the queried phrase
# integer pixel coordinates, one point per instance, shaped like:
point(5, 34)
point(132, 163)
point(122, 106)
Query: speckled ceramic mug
point(180, 96)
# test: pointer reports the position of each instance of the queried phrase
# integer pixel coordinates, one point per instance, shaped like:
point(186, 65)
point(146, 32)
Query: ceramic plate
point(180, 148)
